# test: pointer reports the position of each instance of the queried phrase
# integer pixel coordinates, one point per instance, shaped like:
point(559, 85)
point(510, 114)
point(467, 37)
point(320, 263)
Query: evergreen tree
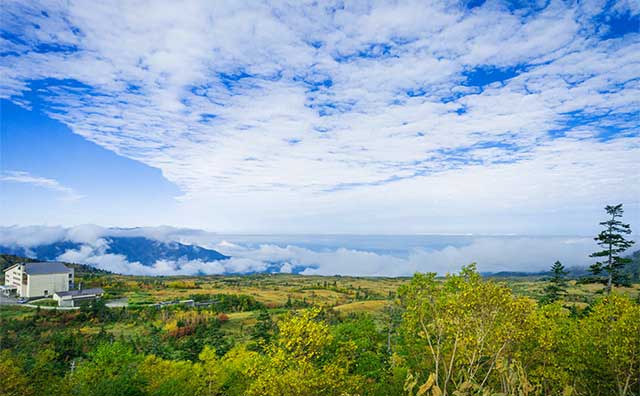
point(264, 330)
point(557, 284)
point(613, 242)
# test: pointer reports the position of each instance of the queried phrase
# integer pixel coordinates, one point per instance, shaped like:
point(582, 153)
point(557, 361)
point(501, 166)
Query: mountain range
point(136, 249)
point(143, 250)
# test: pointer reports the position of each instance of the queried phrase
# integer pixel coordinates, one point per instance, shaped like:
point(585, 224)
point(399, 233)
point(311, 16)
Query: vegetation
point(613, 242)
point(461, 335)
point(557, 284)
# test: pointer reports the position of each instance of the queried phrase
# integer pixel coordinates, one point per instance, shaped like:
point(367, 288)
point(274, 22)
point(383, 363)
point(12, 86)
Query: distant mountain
point(572, 272)
point(136, 249)
point(633, 269)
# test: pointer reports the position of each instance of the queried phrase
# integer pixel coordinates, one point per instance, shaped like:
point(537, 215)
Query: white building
point(74, 298)
point(39, 279)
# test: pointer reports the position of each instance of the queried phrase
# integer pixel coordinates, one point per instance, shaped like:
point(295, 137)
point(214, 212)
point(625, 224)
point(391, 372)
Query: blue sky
point(367, 117)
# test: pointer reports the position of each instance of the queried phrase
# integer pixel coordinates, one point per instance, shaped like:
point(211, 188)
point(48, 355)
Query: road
point(4, 300)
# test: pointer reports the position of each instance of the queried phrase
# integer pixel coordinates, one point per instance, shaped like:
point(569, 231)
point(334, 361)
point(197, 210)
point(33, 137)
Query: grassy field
point(337, 291)
point(272, 290)
point(280, 293)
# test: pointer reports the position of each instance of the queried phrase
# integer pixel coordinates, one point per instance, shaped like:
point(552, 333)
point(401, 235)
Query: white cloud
point(492, 254)
point(284, 145)
point(65, 193)
point(118, 263)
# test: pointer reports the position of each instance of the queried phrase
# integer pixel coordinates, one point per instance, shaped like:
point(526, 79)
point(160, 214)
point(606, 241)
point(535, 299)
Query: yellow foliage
point(187, 318)
point(13, 381)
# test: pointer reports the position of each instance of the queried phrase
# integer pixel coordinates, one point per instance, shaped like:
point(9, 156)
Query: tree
point(458, 334)
point(263, 331)
point(13, 380)
point(613, 242)
point(611, 346)
point(112, 370)
point(306, 359)
point(557, 284)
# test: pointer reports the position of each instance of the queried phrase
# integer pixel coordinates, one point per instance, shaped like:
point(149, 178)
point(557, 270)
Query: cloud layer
point(296, 115)
point(326, 257)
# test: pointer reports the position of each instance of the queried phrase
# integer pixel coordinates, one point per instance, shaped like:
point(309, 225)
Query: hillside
point(7, 260)
point(633, 269)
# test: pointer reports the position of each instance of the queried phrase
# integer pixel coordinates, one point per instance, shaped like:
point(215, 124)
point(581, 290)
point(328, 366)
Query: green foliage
point(13, 379)
point(613, 242)
point(459, 331)
point(610, 343)
point(7, 260)
point(263, 331)
point(557, 287)
point(112, 370)
point(463, 335)
point(96, 310)
point(229, 302)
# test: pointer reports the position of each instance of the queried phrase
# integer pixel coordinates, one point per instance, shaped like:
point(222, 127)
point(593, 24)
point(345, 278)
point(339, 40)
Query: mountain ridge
point(136, 249)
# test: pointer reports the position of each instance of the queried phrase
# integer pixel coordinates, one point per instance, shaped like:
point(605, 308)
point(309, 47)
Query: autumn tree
point(461, 334)
point(171, 378)
point(557, 284)
point(305, 360)
point(612, 240)
point(610, 344)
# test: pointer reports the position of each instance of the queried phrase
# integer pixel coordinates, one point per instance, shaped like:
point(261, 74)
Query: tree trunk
point(610, 268)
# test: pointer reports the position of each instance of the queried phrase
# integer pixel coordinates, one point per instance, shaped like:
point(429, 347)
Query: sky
point(444, 117)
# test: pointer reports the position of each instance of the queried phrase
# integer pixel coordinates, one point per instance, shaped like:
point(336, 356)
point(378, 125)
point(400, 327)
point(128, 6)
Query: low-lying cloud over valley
point(307, 254)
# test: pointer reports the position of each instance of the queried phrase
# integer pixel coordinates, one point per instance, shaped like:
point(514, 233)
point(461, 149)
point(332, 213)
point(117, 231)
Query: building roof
point(12, 267)
point(47, 267)
point(80, 293)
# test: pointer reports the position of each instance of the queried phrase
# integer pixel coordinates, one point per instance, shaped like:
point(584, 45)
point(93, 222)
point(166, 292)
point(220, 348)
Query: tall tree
point(613, 242)
point(263, 331)
point(557, 284)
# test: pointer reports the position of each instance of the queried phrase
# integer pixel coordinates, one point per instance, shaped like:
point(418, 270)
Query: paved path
point(4, 300)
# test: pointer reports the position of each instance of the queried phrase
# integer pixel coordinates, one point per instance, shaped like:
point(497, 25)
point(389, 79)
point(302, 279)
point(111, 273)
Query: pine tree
point(613, 242)
point(264, 330)
point(557, 284)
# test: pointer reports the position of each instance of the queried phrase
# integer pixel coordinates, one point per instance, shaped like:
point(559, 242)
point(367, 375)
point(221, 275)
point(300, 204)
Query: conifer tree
point(613, 242)
point(264, 329)
point(558, 284)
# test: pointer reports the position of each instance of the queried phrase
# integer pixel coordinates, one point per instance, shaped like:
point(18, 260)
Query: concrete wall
point(65, 303)
point(14, 277)
point(68, 301)
point(38, 284)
